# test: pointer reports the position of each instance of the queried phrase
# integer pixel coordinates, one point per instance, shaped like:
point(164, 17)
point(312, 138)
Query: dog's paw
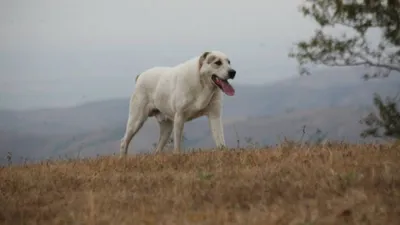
point(176, 152)
point(122, 156)
point(222, 147)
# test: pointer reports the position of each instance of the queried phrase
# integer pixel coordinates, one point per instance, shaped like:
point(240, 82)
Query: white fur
point(175, 95)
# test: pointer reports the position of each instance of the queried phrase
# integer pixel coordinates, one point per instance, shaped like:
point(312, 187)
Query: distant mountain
point(339, 124)
point(332, 100)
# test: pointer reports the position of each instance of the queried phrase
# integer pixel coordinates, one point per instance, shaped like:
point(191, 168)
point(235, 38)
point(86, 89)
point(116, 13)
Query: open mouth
point(223, 85)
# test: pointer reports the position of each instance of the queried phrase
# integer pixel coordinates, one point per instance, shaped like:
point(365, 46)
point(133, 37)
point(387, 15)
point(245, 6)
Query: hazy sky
point(55, 53)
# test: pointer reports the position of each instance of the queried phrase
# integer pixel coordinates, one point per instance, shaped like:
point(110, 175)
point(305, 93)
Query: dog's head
point(215, 66)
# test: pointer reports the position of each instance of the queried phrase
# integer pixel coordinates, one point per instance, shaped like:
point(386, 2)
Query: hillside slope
point(327, 185)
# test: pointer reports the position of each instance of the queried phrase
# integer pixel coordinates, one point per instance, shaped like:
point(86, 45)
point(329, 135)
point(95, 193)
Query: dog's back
point(149, 78)
point(164, 75)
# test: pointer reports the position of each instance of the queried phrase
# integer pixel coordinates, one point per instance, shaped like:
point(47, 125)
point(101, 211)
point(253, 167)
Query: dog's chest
point(199, 106)
point(202, 101)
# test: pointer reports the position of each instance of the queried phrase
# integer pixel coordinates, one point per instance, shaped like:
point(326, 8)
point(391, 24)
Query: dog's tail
point(137, 76)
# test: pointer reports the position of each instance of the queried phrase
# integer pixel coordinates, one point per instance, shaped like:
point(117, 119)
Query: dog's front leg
point(217, 129)
point(178, 128)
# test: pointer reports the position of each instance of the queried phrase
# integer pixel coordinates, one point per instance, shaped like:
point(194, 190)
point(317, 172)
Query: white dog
point(175, 95)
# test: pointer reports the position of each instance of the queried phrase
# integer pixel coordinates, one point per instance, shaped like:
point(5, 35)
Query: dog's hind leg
point(166, 126)
point(137, 116)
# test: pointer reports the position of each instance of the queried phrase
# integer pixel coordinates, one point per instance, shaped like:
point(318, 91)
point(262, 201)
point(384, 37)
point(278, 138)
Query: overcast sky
point(92, 49)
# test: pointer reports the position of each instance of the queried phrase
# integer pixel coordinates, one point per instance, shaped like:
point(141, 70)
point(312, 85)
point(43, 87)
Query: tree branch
point(379, 65)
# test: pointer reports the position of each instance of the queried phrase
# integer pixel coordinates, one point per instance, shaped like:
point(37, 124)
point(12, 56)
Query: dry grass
point(339, 184)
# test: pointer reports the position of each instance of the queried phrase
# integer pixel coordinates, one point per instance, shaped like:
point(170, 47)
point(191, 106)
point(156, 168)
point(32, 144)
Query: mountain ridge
point(261, 112)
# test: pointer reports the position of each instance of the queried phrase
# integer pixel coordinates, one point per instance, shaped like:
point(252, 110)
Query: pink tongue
point(227, 88)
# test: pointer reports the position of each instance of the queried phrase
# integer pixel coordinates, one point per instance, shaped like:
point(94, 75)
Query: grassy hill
point(302, 185)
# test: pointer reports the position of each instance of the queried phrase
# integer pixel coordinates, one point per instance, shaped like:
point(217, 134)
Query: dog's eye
point(229, 61)
point(218, 63)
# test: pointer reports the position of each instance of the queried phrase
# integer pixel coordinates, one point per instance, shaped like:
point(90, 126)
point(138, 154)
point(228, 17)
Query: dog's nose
point(232, 73)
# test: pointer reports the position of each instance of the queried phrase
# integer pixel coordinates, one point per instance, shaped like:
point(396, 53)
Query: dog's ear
point(211, 59)
point(202, 58)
